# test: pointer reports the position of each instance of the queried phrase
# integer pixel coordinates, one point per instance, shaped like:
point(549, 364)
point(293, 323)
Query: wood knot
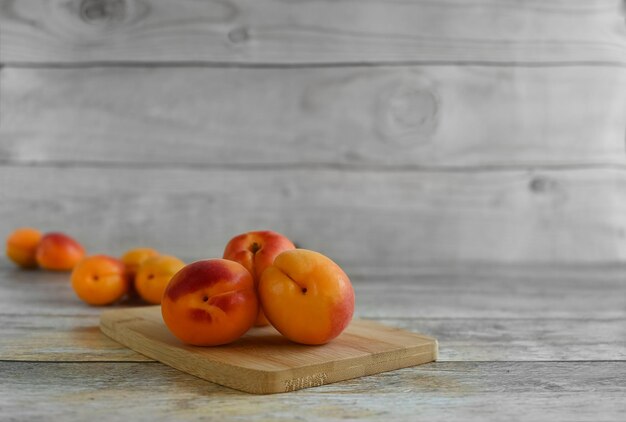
point(408, 114)
point(102, 11)
point(542, 185)
point(239, 35)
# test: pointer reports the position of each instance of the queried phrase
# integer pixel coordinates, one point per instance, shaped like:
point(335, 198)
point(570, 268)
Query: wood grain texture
point(60, 338)
point(423, 217)
point(413, 116)
point(481, 313)
point(460, 391)
point(274, 31)
point(485, 291)
point(497, 296)
point(445, 390)
point(76, 338)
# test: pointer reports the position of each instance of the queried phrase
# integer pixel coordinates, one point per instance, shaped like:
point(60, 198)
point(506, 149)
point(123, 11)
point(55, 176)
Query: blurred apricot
point(22, 246)
point(57, 251)
point(100, 280)
point(153, 276)
point(133, 259)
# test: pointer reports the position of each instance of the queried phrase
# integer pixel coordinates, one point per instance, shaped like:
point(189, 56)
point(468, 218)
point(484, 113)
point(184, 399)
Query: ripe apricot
point(22, 246)
point(210, 302)
point(153, 276)
point(256, 251)
point(57, 251)
point(100, 280)
point(306, 296)
point(133, 259)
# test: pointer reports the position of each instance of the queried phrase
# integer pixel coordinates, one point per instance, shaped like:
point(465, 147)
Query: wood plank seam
point(307, 65)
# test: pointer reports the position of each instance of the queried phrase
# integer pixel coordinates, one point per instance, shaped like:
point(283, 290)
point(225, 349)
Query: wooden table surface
point(516, 343)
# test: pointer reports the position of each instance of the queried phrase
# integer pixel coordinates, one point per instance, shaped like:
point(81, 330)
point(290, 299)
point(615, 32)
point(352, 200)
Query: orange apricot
point(59, 252)
point(256, 251)
point(133, 259)
point(153, 276)
point(22, 246)
point(100, 280)
point(306, 296)
point(210, 302)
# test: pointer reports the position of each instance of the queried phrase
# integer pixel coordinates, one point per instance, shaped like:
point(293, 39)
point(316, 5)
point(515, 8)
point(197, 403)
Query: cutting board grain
point(263, 361)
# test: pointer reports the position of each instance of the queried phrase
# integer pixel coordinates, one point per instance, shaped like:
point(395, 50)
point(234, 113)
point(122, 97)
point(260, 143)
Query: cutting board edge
point(283, 384)
point(286, 380)
point(275, 381)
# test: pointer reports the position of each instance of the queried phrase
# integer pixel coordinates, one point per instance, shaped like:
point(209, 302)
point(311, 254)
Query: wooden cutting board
point(263, 361)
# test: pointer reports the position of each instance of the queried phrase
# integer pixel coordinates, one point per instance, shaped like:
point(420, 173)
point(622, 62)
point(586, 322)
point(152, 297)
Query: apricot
point(133, 259)
point(59, 252)
point(306, 296)
point(210, 302)
point(153, 276)
point(22, 246)
point(256, 251)
point(100, 280)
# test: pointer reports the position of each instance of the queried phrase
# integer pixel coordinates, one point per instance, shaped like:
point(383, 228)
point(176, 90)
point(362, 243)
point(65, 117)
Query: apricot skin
point(100, 280)
point(210, 302)
point(307, 297)
point(59, 252)
point(153, 276)
point(21, 247)
point(256, 250)
point(133, 259)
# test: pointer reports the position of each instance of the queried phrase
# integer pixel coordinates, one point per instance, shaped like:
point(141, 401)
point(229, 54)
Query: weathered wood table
point(516, 343)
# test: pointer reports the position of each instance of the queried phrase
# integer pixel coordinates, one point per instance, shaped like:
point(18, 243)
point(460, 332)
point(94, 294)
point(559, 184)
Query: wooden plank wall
point(387, 134)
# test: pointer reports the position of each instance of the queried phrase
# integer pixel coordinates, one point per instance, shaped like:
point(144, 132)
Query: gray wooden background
point(389, 135)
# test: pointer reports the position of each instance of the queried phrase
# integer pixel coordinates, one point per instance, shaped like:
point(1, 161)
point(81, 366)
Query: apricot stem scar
point(303, 290)
point(205, 298)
